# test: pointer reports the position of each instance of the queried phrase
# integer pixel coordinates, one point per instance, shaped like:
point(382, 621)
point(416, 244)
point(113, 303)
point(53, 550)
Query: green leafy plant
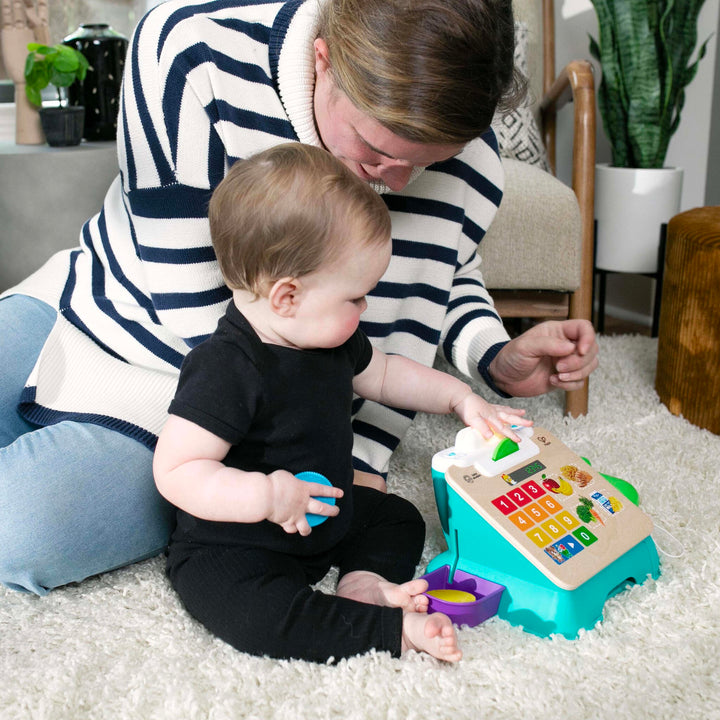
point(57, 65)
point(644, 49)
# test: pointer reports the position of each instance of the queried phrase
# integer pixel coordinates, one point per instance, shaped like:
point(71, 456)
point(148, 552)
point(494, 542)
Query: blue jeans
point(75, 499)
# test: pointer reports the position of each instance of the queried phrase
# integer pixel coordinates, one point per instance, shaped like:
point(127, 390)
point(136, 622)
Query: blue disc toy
point(310, 476)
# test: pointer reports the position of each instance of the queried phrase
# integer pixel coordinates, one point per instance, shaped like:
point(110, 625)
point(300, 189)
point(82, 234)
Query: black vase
point(105, 50)
point(63, 126)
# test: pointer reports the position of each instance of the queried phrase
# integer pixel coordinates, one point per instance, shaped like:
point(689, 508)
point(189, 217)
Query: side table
point(688, 374)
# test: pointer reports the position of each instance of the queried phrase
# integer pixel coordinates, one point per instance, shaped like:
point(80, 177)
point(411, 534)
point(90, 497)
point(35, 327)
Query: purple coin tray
point(469, 613)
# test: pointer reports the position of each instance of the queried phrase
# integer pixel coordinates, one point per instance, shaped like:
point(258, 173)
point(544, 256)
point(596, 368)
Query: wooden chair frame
point(575, 83)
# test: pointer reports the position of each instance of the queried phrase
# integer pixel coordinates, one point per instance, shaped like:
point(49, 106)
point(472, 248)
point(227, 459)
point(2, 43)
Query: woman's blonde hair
point(431, 71)
point(287, 210)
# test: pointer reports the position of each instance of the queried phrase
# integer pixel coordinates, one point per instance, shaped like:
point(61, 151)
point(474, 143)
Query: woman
point(403, 93)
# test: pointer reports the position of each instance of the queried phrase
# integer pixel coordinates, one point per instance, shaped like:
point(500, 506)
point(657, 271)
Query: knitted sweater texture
point(206, 84)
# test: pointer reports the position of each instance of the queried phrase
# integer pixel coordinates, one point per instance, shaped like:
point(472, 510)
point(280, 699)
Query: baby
point(300, 241)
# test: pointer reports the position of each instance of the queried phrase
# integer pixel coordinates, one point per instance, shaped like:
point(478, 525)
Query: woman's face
point(369, 149)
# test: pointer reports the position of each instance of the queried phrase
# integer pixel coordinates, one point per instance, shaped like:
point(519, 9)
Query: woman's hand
point(553, 354)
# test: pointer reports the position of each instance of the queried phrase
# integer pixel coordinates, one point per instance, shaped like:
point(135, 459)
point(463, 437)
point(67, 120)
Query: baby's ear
point(284, 296)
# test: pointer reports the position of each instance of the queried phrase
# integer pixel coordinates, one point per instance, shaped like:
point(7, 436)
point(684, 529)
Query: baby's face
point(333, 297)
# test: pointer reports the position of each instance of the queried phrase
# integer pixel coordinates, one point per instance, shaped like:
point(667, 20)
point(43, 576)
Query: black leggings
point(261, 601)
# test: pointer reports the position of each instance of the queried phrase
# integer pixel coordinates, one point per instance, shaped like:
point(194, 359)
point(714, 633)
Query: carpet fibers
point(120, 646)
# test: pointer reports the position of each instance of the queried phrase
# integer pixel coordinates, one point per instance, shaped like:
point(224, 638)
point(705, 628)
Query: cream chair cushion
point(534, 241)
point(537, 224)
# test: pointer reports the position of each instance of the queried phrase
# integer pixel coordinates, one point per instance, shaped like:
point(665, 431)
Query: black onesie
point(284, 408)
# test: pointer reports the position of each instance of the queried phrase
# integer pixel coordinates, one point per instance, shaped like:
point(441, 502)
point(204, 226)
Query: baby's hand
point(488, 419)
point(292, 499)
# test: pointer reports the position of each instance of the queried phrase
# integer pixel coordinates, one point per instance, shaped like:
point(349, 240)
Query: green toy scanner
point(535, 519)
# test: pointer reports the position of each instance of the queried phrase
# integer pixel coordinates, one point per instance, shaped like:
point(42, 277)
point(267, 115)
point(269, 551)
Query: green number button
point(584, 536)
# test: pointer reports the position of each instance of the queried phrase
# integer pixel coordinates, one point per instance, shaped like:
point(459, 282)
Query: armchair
point(538, 253)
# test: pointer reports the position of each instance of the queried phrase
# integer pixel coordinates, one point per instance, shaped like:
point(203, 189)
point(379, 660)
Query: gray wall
point(46, 194)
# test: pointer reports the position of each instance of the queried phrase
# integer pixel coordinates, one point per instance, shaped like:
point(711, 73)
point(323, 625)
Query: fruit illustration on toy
point(560, 486)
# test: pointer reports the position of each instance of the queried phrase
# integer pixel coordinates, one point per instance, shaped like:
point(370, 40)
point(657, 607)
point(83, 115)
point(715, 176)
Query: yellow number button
point(565, 518)
point(539, 537)
point(553, 528)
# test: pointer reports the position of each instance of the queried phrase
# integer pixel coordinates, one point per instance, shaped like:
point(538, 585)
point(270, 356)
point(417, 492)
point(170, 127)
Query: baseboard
point(628, 315)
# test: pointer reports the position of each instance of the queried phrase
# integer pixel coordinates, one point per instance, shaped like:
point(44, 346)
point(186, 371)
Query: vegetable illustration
point(586, 512)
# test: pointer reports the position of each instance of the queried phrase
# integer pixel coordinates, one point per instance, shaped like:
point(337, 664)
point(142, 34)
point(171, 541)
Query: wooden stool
point(688, 366)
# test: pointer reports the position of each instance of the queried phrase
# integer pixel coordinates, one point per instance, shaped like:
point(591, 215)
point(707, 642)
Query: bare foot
point(433, 634)
point(368, 587)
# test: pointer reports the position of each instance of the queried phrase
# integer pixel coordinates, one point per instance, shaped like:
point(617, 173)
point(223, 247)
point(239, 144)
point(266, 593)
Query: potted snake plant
point(61, 66)
point(648, 54)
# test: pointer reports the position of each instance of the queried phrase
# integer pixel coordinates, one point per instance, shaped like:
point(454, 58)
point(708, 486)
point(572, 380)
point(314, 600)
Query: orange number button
point(552, 506)
point(535, 512)
point(521, 520)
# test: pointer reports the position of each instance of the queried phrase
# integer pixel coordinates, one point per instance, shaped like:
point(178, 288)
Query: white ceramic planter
point(631, 205)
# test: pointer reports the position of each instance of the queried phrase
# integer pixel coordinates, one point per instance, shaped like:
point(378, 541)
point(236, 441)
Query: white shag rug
point(120, 645)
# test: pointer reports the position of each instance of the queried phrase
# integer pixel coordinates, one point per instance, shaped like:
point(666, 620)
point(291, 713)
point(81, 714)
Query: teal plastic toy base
point(531, 599)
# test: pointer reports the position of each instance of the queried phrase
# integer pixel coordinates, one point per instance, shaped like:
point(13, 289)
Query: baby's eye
point(359, 301)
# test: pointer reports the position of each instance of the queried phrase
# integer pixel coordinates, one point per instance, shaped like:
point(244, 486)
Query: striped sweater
point(207, 83)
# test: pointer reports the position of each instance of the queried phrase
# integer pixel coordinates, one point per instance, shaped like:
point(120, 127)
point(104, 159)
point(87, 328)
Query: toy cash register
point(537, 519)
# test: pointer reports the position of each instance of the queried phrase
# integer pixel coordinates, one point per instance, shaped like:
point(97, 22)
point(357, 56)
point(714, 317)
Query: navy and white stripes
point(207, 83)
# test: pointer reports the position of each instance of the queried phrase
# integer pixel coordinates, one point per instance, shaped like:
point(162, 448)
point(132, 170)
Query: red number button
point(533, 489)
point(519, 497)
point(504, 505)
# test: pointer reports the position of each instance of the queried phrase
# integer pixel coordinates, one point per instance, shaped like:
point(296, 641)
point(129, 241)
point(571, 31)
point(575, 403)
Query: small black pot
point(63, 126)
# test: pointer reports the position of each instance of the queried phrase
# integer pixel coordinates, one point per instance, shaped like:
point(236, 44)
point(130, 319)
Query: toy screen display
point(525, 472)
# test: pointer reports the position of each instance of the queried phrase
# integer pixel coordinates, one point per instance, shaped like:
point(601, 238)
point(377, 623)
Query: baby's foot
point(433, 634)
point(368, 587)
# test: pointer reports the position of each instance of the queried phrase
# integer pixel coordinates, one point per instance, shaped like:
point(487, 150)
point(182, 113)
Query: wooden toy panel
point(562, 515)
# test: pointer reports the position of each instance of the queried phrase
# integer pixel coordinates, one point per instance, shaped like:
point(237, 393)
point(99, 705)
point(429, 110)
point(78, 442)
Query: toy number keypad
point(545, 521)
point(562, 515)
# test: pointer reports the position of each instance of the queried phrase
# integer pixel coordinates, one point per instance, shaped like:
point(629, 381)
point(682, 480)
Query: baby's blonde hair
point(287, 210)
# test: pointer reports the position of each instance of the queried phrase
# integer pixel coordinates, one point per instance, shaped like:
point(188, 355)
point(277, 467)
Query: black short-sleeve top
point(279, 408)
